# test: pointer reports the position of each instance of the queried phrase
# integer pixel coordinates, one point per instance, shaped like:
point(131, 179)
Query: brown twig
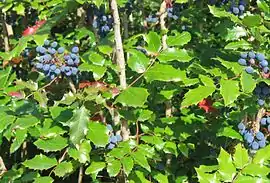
point(80, 176)
point(2, 166)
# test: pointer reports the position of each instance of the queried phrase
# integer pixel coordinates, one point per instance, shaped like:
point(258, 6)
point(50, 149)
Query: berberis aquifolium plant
point(131, 91)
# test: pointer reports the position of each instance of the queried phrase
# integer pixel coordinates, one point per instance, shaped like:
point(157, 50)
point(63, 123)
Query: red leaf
point(40, 23)
point(16, 94)
point(206, 105)
point(30, 31)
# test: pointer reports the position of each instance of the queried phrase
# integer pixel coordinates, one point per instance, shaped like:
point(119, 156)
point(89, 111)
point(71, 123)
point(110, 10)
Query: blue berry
point(259, 135)
point(264, 63)
point(251, 54)
point(266, 90)
point(60, 50)
point(268, 120)
point(52, 67)
point(47, 57)
point(241, 126)
point(54, 44)
point(244, 55)
point(241, 7)
point(113, 139)
point(119, 138)
point(46, 67)
point(73, 56)
point(74, 70)
point(38, 49)
point(266, 70)
point(111, 146)
point(252, 61)
point(39, 65)
point(262, 143)
point(57, 71)
point(70, 62)
point(42, 50)
point(261, 102)
point(255, 145)
point(242, 61)
point(263, 121)
point(75, 49)
point(46, 42)
point(109, 127)
point(51, 51)
point(249, 70)
point(260, 56)
point(235, 10)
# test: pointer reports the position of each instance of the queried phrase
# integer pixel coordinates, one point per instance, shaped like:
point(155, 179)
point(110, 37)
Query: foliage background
point(56, 131)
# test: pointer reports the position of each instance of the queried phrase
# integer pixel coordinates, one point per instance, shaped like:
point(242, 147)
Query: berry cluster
point(218, 2)
point(252, 59)
point(253, 140)
point(262, 90)
point(151, 19)
point(114, 139)
point(171, 13)
point(102, 21)
point(52, 61)
point(238, 9)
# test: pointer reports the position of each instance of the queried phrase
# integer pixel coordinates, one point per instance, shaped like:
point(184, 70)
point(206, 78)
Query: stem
point(24, 151)
point(2, 166)
point(80, 177)
point(72, 86)
point(163, 15)
point(5, 32)
point(120, 59)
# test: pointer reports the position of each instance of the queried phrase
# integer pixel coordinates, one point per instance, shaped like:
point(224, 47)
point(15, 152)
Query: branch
point(163, 15)
point(120, 59)
point(2, 166)
point(5, 32)
point(80, 176)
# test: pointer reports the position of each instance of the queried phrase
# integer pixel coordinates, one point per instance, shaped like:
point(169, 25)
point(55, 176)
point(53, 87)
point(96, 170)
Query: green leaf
point(221, 13)
point(241, 158)
point(161, 178)
point(41, 97)
point(179, 39)
point(153, 41)
point(98, 71)
point(256, 170)
point(252, 20)
point(262, 155)
point(6, 120)
point(226, 167)
point(81, 152)
point(114, 167)
point(194, 96)
point(262, 4)
point(230, 132)
point(170, 147)
point(233, 66)
point(172, 54)
point(20, 136)
point(207, 81)
point(4, 76)
point(40, 162)
point(40, 38)
point(98, 134)
point(162, 72)
point(242, 44)
point(229, 89)
point(78, 125)
point(43, 180)
point(63, 168)
point(55, 144)
point(95, 168)
point(138, 62)
point(133, 97)
point(19, 8)
point(96, 59)
point(128, 164)
point(141, 160)
point(249, 179)
point(26, 122)
point(247, 82)
point(235, 33)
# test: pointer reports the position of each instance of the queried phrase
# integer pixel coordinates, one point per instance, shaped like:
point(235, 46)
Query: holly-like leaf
point(194, 96)
point(256, 170)
point(160, 72)
point(229, 89)
point(102, 138)
point(226, 167)
point(81, 152)
point(54, 144)
point(241, 158)
point(138, 62)
point(141, 160)
point(95, 167)
point(20, 136)
point(63, 168)
point(46, 179)
point(161, 178)
point(78, 125)
point(153, 40)
point(230, 132)
point(242, 44)
point(262, 155)
point(26, 122)
point(114, 167)
point(179, 39)
point(133, 97)
point(128, 164)
point(247, 82)
point(40, 162)
point(174, 54)
point(5, 120)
